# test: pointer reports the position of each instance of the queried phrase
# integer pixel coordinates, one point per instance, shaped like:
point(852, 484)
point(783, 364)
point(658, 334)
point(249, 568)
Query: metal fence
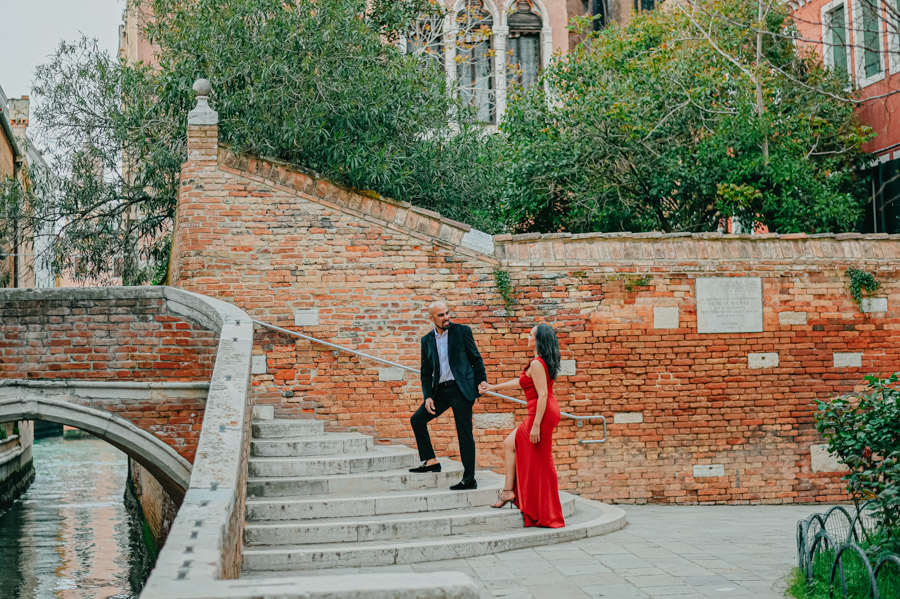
point(838, 536)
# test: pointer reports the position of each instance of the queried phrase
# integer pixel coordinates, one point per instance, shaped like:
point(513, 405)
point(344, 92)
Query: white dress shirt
point(441, 340)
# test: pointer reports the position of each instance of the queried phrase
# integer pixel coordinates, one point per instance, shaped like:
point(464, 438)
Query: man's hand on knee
point(429, 405)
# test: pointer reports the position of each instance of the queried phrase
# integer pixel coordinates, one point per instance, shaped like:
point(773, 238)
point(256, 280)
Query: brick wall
point(692, 417)
point(107, 339)
point(157, 508)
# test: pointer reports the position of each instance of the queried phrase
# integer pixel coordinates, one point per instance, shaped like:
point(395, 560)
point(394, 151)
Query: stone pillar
point(203, 126)
point(192, 219)
point(546, 45)
point(450, 32)
point(500, 33)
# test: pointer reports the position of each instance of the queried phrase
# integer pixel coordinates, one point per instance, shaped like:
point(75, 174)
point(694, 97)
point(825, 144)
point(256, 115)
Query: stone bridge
point(116, 412)
point(126, 365)
point(160, 373)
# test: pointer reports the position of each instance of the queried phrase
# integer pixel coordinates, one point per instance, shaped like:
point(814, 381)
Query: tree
point(315, 82)
point(669, 125)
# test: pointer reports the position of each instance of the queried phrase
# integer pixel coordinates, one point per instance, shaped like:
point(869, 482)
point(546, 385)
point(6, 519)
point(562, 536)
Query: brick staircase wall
point(693, 418)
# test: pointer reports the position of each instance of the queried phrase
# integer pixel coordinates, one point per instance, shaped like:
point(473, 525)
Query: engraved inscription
point(729, 305)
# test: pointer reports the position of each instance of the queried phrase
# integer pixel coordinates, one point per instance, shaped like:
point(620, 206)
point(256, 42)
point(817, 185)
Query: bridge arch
point(171, 470)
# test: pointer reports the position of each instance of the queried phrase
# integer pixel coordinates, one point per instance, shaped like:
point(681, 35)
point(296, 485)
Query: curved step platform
point(324, 500)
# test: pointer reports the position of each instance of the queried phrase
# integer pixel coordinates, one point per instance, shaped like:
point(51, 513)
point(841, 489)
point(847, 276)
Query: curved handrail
point(579, 420)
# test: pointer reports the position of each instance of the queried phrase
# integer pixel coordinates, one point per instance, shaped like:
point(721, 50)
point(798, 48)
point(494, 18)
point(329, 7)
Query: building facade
point(20, 160)
point(861, 39)
point(497, 44)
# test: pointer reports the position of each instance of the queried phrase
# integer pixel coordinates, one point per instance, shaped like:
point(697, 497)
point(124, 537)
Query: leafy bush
point(864, 433)
point(670, 124)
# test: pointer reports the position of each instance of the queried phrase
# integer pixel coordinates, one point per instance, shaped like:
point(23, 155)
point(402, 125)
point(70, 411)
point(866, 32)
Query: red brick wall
point(157, 507)
point(273, 240)
point(113, 340)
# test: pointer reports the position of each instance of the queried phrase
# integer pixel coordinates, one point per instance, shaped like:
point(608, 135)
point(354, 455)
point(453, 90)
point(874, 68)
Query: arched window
point(524, 44)
point(474, 58)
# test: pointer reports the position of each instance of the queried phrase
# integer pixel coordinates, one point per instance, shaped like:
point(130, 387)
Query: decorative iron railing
point(838, 536)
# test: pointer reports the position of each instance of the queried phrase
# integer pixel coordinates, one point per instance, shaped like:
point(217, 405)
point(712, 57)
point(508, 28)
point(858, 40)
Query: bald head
point(439, 315)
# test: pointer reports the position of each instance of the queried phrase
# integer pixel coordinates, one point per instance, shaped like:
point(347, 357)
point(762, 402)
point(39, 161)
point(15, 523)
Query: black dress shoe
point(464, 485)
point(424, 468)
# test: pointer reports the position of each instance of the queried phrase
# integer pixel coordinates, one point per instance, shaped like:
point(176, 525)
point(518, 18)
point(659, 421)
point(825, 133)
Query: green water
point(69, 536)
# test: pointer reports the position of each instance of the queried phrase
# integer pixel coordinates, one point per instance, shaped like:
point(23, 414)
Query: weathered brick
point(370, 266)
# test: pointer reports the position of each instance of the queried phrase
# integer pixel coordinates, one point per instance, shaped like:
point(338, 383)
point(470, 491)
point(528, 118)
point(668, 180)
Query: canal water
point(69, 536)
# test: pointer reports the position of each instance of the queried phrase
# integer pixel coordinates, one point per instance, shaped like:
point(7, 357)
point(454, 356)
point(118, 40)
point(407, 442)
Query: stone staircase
point(320, 500)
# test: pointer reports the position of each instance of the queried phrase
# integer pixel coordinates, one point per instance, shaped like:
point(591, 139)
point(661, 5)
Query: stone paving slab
point(701, 552)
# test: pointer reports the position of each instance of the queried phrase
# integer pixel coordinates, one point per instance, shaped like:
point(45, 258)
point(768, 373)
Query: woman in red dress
point(531, 481)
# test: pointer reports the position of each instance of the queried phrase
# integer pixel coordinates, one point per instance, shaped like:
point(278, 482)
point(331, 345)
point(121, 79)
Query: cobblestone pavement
point(665, 551)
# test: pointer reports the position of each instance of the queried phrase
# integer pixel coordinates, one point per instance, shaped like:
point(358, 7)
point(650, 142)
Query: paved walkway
point(665, 551)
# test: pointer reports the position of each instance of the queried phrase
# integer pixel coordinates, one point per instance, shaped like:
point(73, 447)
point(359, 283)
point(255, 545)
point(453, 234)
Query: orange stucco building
point(17, 155)
point(861, 38)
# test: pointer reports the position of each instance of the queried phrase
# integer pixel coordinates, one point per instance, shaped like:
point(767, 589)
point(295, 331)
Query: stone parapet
point(647, 249)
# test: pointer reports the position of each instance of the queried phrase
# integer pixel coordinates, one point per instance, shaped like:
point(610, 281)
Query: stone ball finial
point(202, 87)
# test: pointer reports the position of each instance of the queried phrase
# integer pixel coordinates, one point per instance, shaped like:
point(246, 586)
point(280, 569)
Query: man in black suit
point(452, 374)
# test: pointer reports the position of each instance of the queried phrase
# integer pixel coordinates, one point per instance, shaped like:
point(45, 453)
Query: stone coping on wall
point(566, 249)
point(558, 249)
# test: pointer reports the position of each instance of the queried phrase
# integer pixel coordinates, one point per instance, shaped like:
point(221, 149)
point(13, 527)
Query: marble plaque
point(729, 305)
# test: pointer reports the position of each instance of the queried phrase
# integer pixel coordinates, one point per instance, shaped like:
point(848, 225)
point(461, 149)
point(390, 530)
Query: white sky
point(30, 31)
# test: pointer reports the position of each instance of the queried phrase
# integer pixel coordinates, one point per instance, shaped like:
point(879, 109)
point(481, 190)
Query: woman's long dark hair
point(547, 348)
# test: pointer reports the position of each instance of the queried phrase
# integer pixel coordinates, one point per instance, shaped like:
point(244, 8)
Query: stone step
point(363, 482)
point(368, 504)
point(277, 429)
point(377, 459)
point(335, 585)
point(590, 519)
point(327, 444)
point(389, 527)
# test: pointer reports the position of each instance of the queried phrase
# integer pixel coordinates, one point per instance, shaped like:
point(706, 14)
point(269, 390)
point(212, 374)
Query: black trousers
point(447, 397)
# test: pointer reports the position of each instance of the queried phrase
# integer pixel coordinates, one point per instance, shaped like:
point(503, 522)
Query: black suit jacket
point(465, 362)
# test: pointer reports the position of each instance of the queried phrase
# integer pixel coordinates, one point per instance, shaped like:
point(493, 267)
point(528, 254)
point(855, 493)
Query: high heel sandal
point(503, 502)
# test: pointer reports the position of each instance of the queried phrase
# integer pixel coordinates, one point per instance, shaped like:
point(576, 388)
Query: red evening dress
point(537, 489)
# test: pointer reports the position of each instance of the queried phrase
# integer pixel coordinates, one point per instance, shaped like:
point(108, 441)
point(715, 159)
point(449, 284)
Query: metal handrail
point(579, 420)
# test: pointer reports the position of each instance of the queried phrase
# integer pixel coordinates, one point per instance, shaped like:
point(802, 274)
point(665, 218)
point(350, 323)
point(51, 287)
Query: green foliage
point(860, 281)
point(504, 285)
point(657, 126)
point(865, 435)
point(856, 577)
point(116, 157)
point(314, 83)
point(3, 433)
point(671, 123)
point(633, 282)
point(311, 82)
point(797, 586)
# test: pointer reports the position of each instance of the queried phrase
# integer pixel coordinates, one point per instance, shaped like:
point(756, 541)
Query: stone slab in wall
point(708, 470)
point(763, 360)
point(665, 317)
point(729, 305)
point(501, 420)
point(824, 461)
